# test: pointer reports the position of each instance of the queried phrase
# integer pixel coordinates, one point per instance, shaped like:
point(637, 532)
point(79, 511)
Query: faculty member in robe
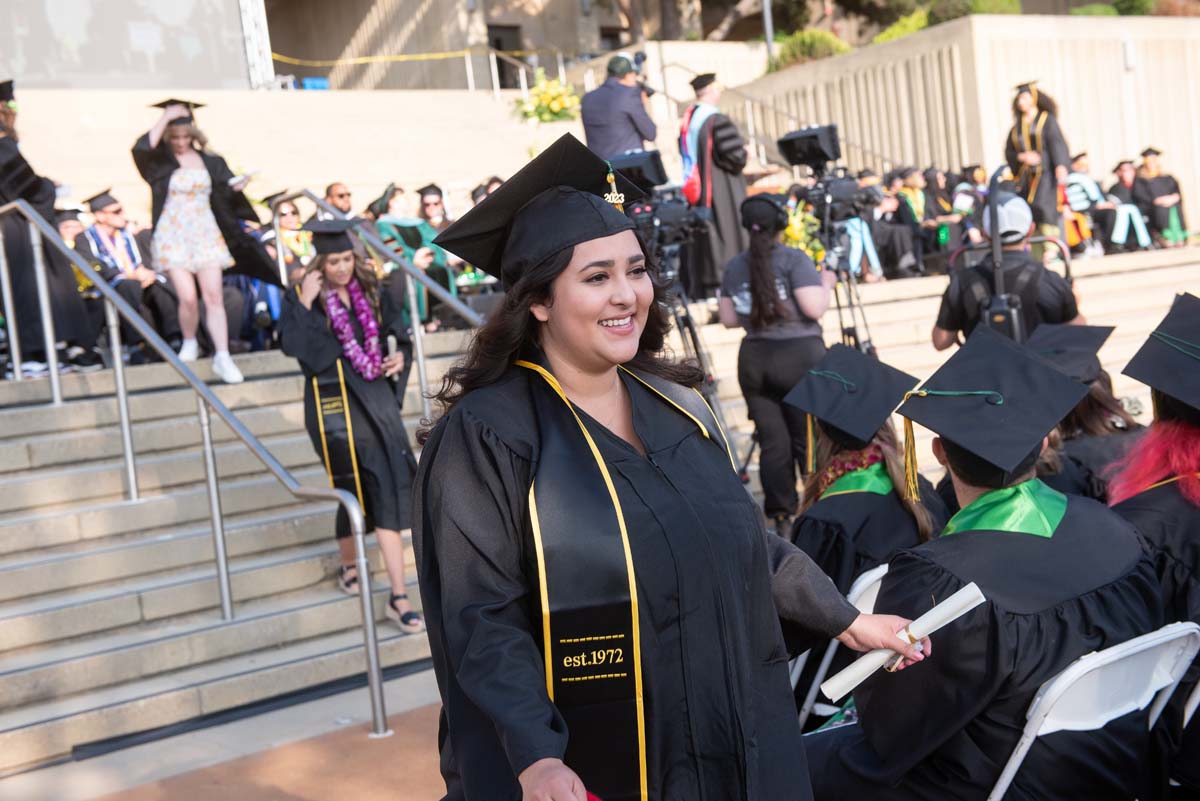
point(1158, 196)
point(1039, 158)
point(1063, 576)
point(605, 604)
point(336, 322)
point(1157, 489)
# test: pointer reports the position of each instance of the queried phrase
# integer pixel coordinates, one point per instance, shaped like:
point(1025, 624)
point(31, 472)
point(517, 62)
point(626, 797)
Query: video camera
point(836, 196)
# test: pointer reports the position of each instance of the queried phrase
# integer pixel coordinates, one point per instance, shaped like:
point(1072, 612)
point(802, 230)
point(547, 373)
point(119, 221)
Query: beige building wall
point(942, 96)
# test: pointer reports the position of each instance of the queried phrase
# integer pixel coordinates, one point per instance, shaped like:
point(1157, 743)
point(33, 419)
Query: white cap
point(1014, 215)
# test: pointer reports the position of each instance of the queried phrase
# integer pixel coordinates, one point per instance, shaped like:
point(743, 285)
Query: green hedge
point(1094, 10)
point(1133, 8)
point(910, 23)
point(808, 45)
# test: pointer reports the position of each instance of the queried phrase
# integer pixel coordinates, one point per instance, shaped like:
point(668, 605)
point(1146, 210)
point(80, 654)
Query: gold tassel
point(910, 462)
point(614, 197)
point(810, 448)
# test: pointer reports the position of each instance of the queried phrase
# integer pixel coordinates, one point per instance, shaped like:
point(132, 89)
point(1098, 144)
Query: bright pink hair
point(1168, 449)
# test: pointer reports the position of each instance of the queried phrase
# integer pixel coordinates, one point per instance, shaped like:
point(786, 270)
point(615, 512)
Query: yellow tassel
point(614, 197)
point(910, 462)
point(810, 454)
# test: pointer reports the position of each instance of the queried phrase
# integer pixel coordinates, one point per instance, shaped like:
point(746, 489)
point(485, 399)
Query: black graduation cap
point(563, 197)
point(101, 200)
point(379, 205)
point(62, 215)
point(904, 172)
point(7, 92)
point(174, 101)
point(1169, 361)
point(430, 189)
point(1121, 164)
point(993, 398)
point(331, 236)
point(702, 80)
point(269, 200)
point(1030, 86)
point(1151, 151)
point(867, 173)
point(852, 392)
point(1071, 348)
point(1080, 155)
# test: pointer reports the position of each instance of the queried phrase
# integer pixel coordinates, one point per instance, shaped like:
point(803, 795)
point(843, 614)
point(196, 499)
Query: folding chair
point(1104, 685)
point(862, 594)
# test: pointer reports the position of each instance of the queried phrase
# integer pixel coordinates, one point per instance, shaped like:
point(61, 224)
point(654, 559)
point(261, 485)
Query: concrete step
point(42, 732)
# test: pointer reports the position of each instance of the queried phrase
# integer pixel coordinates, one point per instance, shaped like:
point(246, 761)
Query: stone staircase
point(109, 612)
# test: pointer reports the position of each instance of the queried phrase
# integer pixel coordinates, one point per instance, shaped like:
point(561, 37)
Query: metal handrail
point(116, 306)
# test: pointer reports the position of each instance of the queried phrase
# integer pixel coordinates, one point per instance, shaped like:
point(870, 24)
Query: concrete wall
point(943, 95)
point(181, 44)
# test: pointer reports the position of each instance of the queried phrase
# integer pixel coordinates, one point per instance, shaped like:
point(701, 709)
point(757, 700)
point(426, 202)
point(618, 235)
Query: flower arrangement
point(549, 100)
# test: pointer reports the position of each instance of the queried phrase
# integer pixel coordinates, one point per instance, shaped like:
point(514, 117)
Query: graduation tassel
point(810, 445)
point(910, 462)
point(614, 197)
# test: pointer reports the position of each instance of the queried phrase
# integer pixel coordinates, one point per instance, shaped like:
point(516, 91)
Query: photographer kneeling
point(777, 295)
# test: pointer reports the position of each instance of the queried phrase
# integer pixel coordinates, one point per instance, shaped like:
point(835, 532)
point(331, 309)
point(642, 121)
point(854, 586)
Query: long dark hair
point(764, 293)
point(362, 271)
point(1098, 414)
point(512, 333)
point(1043, 101)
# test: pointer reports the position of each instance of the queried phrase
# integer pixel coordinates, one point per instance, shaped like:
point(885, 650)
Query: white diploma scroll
point(839, 686)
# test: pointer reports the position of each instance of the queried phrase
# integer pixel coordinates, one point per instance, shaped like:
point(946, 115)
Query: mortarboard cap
point(330, 236)
point(101, 200)
point(620, 66)
point(174, 101)
point(904, 172)
point(430, 189)
point(852, 393)
point(1151, 151)
point(554, 202)
point(7, 92)
point(867, 173)
point(62, 215)
point(1080, 155)
point(1072, 349)
point(1121, 164)
point(379, 205)
point(1169, 361)
point(992, 398)
point(703, 80)
point(269, 200)
point(1014, 216)
point(1030, 86)
point(478, 194)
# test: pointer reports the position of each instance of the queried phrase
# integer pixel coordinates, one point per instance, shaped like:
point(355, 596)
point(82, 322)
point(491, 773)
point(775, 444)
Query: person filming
point(777, 295)
point(614, 114)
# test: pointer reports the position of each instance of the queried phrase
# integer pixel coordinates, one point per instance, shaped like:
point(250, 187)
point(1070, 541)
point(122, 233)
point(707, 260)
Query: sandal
point(410, 622)
point(347, 579)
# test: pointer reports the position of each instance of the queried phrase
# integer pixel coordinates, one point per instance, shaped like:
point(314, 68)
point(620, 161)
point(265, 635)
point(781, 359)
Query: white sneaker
point(226, 370)
point(189, 351)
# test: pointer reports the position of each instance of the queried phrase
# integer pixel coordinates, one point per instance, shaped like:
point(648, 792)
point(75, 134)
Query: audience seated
point(1089, 214)
point(1158, 196)
point(892, 226)
point(1129, 213)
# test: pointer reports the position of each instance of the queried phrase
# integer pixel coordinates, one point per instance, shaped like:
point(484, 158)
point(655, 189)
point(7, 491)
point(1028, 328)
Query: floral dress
point(187, 237)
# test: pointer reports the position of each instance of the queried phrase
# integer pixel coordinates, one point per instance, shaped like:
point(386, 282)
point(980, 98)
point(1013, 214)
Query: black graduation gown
point(1171, 524)
point(713, 588)
point(1091, 455)
point(722, 189)
point(156, 164)
point(385, 459)
point(944, 728)
point(1055, 153)
point(19, 182)
point(1145, 190)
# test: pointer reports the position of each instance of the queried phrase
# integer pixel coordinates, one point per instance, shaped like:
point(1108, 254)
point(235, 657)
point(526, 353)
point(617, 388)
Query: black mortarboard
point(1071, 348)
point(269, 200)
point(969, 170)
point(478, 194)
point(174, 101)
point(379, 205)
point(702, 80)
point(430, 189)
point(62, 215)
point(1169, 361)
point(1080, 155)
point(867, 173)
point(1151, 151)
point(7, 92)
point(330, 236)
point(904, 172)
point(1030, 87)
point(992, 398)
point(101, 200)
point(556, 201)
point(1121, 164)
point(852, 392)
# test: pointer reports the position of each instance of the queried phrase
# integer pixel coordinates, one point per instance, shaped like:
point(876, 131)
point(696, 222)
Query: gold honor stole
point(588, 592)
point(337, 433)
point(1026, 139)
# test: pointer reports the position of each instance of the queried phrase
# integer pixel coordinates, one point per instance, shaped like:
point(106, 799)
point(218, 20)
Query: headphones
point(778, 222)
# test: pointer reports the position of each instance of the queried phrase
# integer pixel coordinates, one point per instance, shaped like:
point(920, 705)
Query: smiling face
point(289, 216)
point(1025, 102)
point(338, 269)
point(112, 216)
point(598, 305)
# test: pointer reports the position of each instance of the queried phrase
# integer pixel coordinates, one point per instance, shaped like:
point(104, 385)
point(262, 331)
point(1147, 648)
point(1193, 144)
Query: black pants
point(767, 370)
point(156, 303)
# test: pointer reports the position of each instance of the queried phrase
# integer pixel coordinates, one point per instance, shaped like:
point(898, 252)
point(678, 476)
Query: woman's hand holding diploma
point(872, 632)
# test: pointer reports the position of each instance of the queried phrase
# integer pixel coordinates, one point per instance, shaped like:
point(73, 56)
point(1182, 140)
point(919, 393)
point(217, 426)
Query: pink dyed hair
point(1168, 449)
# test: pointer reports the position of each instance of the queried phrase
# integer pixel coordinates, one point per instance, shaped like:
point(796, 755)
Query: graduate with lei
point(1063, 576)
point(607, 611)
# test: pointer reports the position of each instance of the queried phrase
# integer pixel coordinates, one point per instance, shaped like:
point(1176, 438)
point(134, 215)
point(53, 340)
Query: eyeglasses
point(289, 213)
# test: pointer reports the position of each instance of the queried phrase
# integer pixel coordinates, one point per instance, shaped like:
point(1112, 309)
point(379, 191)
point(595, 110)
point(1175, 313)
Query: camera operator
point(1045, 296)
point(777, 295)
point(614, 114)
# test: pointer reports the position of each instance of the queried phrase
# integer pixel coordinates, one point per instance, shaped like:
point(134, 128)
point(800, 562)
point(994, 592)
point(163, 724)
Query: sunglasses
point(289, 213)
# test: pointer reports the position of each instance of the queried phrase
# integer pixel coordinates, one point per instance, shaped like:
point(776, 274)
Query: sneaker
point(29, 369)
point(226, 370)
point(83, 361)
point(189, 351)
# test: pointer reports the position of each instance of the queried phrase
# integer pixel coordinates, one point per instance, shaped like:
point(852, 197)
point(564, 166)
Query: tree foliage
point(909, 23)
point(1129, 8)
point(1094, 10)
point(808, 45)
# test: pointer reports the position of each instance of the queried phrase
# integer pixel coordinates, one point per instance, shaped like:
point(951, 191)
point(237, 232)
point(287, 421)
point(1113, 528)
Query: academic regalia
point(384, 458)
point(508, 569)
point(1146, 188)
point(1037, 184)
point(1063, 577)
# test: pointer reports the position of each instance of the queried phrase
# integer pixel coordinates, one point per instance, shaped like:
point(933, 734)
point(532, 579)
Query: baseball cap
point(1014, 215)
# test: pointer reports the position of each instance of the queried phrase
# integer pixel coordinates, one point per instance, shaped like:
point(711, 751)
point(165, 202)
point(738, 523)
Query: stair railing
point(117, 310)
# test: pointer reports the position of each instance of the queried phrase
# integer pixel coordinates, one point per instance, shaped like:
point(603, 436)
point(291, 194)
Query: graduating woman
point(1157, 488)
point(1038, 156)
point(335, 323)
point(604, 601)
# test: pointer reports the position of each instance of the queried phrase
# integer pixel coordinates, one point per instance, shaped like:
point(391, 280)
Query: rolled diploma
point(839, 686)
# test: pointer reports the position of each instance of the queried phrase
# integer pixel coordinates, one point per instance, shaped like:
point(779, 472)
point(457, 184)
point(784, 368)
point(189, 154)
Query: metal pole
point(43, 290)
point(495, 74)
point(10, 315)
point(562, 67)
point(379, 727)
point(769, 32)
point(414, 314)
point(214, 510)
point(470, 71)
point(280, 259)
point(114, 341)
point(524, 84)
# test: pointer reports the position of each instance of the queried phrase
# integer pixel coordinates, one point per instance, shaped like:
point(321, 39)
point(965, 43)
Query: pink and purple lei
point(367, 362)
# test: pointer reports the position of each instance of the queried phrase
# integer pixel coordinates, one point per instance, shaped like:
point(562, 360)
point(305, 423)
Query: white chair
point(862, 594)
point(1189, 706)
point(1104, 685)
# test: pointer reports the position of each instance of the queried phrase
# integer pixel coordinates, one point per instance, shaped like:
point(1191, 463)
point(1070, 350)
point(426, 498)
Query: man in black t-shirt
point(1045, 296)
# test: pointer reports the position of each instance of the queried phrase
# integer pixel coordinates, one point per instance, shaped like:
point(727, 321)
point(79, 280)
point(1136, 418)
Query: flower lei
point(367, 363)
point(854, 460)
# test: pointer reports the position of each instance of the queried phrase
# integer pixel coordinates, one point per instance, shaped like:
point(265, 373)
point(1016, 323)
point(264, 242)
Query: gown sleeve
point(305, 336)
point(811, 610)
point(150, 161)
point(1055, 146)
point(1010, 153)
point(472, 561)
point(729, 149)
point(830, 548)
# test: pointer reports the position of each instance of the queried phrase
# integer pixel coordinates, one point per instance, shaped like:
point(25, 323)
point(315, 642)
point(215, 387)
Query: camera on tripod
point(835, 197)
